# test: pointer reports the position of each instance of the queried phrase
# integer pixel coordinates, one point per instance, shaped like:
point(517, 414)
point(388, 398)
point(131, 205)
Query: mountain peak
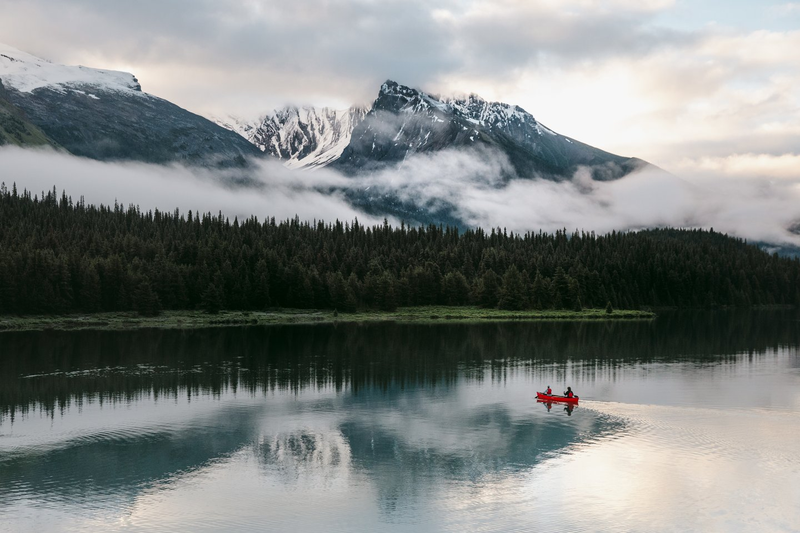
point(404, 121)
point(25, 73)
point(471, 107)
point(392, 89)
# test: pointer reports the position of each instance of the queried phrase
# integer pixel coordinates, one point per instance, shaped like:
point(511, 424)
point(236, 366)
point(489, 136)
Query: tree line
point(61, 256)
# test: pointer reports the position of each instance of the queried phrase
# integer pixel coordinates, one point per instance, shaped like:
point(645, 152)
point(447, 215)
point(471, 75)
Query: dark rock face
point(404, 121)
point(129, 125)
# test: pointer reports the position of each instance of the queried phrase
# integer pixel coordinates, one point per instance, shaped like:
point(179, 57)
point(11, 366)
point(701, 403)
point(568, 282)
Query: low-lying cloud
point(732, 198)
point(471, 184)
point(277, 193)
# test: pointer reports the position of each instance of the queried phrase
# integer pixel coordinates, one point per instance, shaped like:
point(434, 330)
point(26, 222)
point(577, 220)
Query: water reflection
point(568, 408)
point(406, 441)
point(111, 425)
point(116, 464)
point(52, 370)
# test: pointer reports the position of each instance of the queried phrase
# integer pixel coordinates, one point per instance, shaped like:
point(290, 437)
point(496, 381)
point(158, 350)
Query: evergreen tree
point(8, 289)
point(540, 292)
point(89, 296)
point(561, 286)
point(574, 295)
point(456, 288)
point(354, 288)
point(385, 298)
point(58, 256)
point(212, 300)
point(341, 295)
point(145, 300)
point(512, 295)
point(489, 289)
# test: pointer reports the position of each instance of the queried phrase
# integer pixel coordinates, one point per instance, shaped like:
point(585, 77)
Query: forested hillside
point(59, 256)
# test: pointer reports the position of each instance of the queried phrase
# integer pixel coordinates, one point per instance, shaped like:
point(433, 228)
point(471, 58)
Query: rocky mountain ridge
point(403, 121)
point(105, 115)
point(302, 137)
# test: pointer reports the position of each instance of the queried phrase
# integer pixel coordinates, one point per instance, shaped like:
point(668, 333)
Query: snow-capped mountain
point(104, 114)
point(25, 73)
point(303, 137)
point(404, 121)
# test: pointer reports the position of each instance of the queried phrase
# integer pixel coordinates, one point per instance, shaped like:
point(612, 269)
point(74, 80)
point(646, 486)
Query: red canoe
point(553, 398)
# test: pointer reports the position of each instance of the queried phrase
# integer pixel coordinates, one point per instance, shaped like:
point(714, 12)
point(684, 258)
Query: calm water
point(688, 423)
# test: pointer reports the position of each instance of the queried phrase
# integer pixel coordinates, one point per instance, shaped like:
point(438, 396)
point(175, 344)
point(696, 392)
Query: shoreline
point(123, 321)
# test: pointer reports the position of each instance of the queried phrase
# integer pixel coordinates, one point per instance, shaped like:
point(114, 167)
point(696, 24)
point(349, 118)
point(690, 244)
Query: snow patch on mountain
point(303, 137)
point(26, 73)
point(471, 108)
point(244, 127)
point(471, 113)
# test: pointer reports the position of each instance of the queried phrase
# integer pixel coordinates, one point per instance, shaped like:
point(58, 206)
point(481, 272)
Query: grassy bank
point(199, 319)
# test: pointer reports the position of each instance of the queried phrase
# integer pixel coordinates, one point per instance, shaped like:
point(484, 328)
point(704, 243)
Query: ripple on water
point(710, 432)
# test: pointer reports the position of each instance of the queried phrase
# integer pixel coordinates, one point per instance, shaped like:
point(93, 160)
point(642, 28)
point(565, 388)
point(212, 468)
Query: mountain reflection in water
point(100, 422)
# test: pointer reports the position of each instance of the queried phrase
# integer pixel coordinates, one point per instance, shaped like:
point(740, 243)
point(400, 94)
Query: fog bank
point(473, 183)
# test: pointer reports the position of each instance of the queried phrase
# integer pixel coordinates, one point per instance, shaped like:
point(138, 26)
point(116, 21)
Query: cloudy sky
point(693, 86)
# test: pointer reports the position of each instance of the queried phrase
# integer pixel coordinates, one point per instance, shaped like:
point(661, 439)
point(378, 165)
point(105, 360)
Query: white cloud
point(605, 73)
point(240, 56)
point(758, 48)
point(277, 194)
point(784, 167)
point(728, 194)
point(732, 198)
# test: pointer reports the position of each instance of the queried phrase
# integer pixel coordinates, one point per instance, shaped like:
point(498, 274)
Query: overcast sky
point(702, 85)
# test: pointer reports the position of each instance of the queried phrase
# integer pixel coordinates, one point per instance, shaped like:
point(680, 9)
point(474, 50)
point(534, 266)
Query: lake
point(690, 422)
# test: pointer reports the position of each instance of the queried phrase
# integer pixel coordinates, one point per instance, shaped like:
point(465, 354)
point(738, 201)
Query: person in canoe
point(569, 393)
point(548, 391)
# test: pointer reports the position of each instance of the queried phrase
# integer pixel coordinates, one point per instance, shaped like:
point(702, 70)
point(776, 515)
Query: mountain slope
point(16, 129)
point(304, 137)
point(404, 121)
point(105, 115)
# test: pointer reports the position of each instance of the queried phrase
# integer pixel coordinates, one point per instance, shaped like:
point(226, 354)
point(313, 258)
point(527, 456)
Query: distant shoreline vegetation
point(200, 319)
point(60, 257)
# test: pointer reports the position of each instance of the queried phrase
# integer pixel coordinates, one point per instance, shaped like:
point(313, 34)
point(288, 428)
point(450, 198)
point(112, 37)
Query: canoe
point(554, 398)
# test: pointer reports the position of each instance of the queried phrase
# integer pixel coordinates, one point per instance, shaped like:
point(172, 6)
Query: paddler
point(569, 393)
